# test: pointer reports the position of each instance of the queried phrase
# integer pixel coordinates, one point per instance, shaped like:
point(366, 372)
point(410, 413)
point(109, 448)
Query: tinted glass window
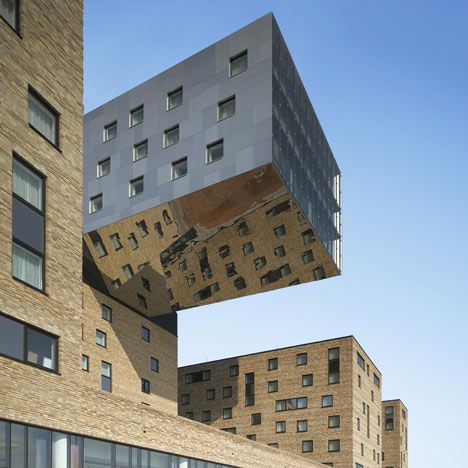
point(11, 338)
point(41, 349)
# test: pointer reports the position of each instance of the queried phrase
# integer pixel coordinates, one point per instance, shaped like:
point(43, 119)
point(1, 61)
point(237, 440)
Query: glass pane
point(160, 460)
point(27, 184)
point(122, 456)
point(11, 338)
point(41, 349)
point(97, 454)
point(42, 119)
point(17, 444)
point(39, 448)
point(3, 440)
point(27, 266)
point(76, 447)
point(59, 450)
point(8, 11)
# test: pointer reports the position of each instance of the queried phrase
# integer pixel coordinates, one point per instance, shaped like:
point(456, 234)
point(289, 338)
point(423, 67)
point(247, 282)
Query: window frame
point(138, 145)
point(99, 174)
point(222, 103)
point(209, 147)
point(134, 111)
point(167, 131)
point(173, 165)
point(238, 56)
point(149, 334)
point(131, 183)
point(91, 199)
point(36, 95)
point(105, 130)
point(170, 94)
point(105, 338)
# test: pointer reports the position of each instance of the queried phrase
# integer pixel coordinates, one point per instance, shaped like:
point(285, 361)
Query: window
point(333, 421)
point(106, 376)
point(142, 228)
point(360, 361)
point(273, 445)
point(145, 386)
point(115, 284)
point(255, 419)
point(238, 63)
point(115, 239)
point(154, 364)
point(183, 265)
point(376, 380)
point(140, 150)
point(239, 283)
point(128, 271)
point(226, 108)
point(230, 430)
point(227, 392)
point(200, 376)
point(234, 370)
point(301, 359)
point(188, 414)
point(248, 248)
point(285, 270)
point(279, 251)
point(308, 237)
point(206, 416)
point(280, 426)
point(334, 445)
point(227, 413)
point(307, 380)
point(101, 338)
point(358, 465)
point(358, 424)
point(103, 167)
point(179, 168)
point(334, 365)
point(272, 364)
point(95, 203)
point(43, 118)
point(10, 12)
point(136, 116)
point(28, 266)
point(230, 269)
point(327, 401)
point(135, 187)
point(171, 136)
point(243, 229)
point(302, 425)
point(272, 386)
point(307, 446)
point(251, 436)
point(249, 389)
point(145, 334)
point(214, 151)
point(132, 241)
point(389, 418)
point(291, 404)
point(100, 248)
point(190, 280)
point(280, 231)
point(224, 251)
point(110, 131)
point(174, 98)
point(319, 273)
point(85, 362)
point(307, 257)
point(260, 262)
point(166, 217)
point(106, 312)
point(211, 394)
point(185, 399)
point(141, 301)
point(158, 229)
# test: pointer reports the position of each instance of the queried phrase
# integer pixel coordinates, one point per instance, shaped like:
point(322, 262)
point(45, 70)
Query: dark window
point(307, 380)
point(227, 392)
point(142, 301)
point(389, 418)
point(226, 108)
point(249, 389)
point(188, 414)
point(132, 241)
point(308, 237)
point(227, 413)
point(333, 365)
point(215, 151)
point(301, 359)
point(234, 370)
point(106, 312)
point(115, 239)
point(238, 63)
point(327, 401)
point(179, 168)
point(243, 229)
point(206, 416)
point(145, 283)
point(10, 12)
point(106, 376)
point(199, 376)
point(43, 117)
point(334, 445)
point(231, 269)
point(100, 248)
point(154, 364)
point(377, 380)
point(230, 430)
point(291, 404)
point(103, 167)
point(171, 136)
point(145, 386)
point(95, 203)
point(174, 98)
point(110, 131)
point(333, 421)
point(307, 446)
point(158, 229)
point(224, 251)
point(128, 271)
point(319, 273)
point(166, 217)
point(136, 187)
point(211, 394)
point(272, 386)
point(248, 248)
point(280, 231)
point(145, 334)
point(190, 280)
point(307, 257)
point(273, 445)
point(140, 150)
point(302, 425)
point(251, 436)
point(142, 227)
point(272, 364)
point(280, 426)
point(136, 116)
point(185, 399)
point(279, 251)
point(277, 209)
point(256, 418)
point(260, 262)
point(239, 283)
point(360, 361)
point(101, 338)
point(85, 362)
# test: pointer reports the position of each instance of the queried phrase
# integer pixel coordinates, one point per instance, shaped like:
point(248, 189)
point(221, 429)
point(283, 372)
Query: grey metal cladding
point(205, 80)
point(301, 152)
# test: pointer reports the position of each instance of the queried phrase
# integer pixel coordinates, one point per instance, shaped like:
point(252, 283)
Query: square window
point(188, 414)
point(136, 116)
point(171, 136)
point(230, 269)
point(135, 187)
point(215, 151)
point(307, 257)
point(95, 203)
point(307, 446)
point(238, 63)
point(272, 364)
point(239, 283)
point(226, 108)
point(227, 413)
point(210, 394)
point(179, 168)
point(280, 252)
point(101, 338)
point(103, 167)
point(280, 231)
point(140, 150)
point(307, 380)
point(145, 386)
point(272, 386)
point(319, 273)
point(255, 418)
point(302, 425)
point(10, 12)
point(224, 251)
point(260, 262)
point(243, 229)
point(327, 401)
point(227, 392)
point(333, 421)
point(206, 416)
point(154, 364)
point(248, 248)
point(183, 265)
point(285, 270)
point(334, 445)
point(41, 348)
point(280, 426)
point(308, 237)
point(110, 131)
point(106, 312)
point(174, 98)
point(251, 436)
point(145, 334)
point(301, 359)
point(185, 399)
point(85, 362)
point(43, 117)
point(234, 370)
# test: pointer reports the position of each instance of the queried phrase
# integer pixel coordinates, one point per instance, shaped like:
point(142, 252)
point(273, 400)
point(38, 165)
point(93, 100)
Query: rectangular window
point(106, 376)
point(301, 359)
point(250, 389)
point(251, 436)
point(115, 239)
point(279, 251)
point(185, 399)
point(248, 248)
point(307, 380)
point(260, 262)
point(389, 418)
point(25, 343)
point(101, 338)
point(280, 426)
point(334, 445)
point(106, 312)
point(327, 401)
point(95, 203)
point(188, 414)
point(377, 380)
point(85, 362)
point(272, 386)
point(307, 446)
point(28, 266)
point(140, 150)
point(230, 430)
point(227, 413)
point(100, 248)
point(110, 131)
point(280, 231)
point(238, 63)
point(302, 425)
point(154, 364)
point(210, 394)
point(319, 273)
point(145, 334)
point(135, 187)
point(333, 421)
point(174, 98)
point(227, 392)
point(171, 136)
point(200, 376)
point(291, 404)
point(360, 361)
point(10, 12)
point(132, 241)
point(136, 116)
point(179, 168)
point(43, 117)
point(142, 228)
point(272, 364)
point(115, 284)
point(145, 386)
point(28, 185)
point(226, 108)
point(307, 257)
point(215, 151)
point(206, 416)
point(103, 167)
point(255, 418)
point(334, 365)
point(128, 271)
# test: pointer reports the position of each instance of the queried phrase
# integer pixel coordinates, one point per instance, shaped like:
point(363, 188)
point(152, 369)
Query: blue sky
point(389, 82)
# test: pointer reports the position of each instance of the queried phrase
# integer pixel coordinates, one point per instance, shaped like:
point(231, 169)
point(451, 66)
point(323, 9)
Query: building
point(395, 434)
point(322, 400)
point(88, 370)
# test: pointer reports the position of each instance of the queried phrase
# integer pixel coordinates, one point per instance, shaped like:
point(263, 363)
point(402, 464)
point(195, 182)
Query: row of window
point(366, 368)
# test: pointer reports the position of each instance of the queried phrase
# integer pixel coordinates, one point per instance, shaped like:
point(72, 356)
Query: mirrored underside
point(238, 237)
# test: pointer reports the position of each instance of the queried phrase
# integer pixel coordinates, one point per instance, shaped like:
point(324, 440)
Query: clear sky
point(389, 83)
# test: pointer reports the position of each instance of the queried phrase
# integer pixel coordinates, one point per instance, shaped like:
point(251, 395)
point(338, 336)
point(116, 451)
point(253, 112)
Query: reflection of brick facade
point(394, 434)
point(357, 400)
